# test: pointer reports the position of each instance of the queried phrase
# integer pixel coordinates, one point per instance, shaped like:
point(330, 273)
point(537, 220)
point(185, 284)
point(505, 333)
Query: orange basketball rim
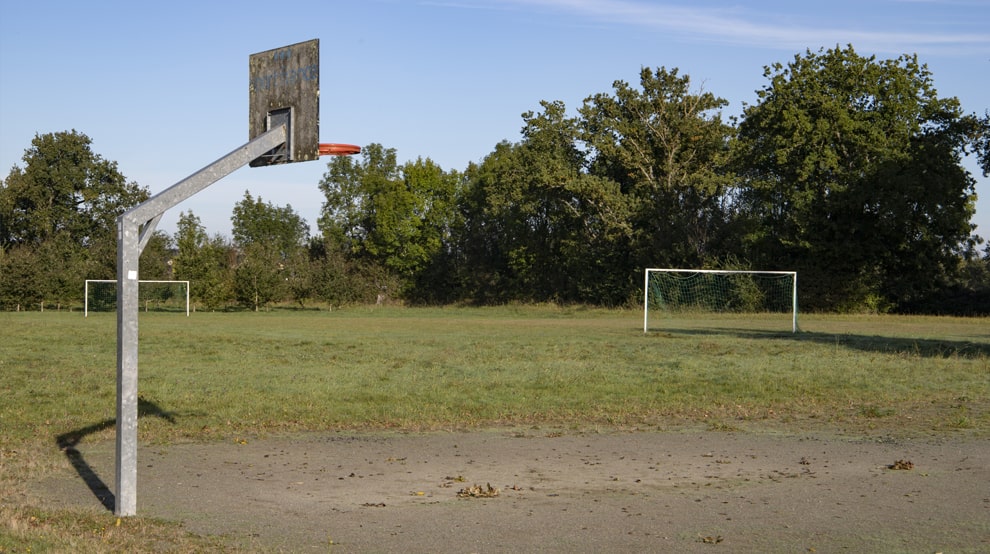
point(333, 149)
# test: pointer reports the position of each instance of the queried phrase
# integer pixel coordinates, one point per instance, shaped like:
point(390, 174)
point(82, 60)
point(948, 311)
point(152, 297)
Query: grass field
point(226, 376)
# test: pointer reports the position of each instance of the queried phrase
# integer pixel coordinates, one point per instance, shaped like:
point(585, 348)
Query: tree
point(340, 279)
point(270, 240)
point(156, 258)
point(257, 277)
point(64, 188)
point(48, 274)
point(666, 147)
point(20, 269)
point(430, 270)
point(850, 173)
point(342, 217)
point(981, 141)
point(537, 227)
point(430, 209)
point(57, 219)
point(204, 262)
point(577, 209)
point(397, 217)
point(259, 222)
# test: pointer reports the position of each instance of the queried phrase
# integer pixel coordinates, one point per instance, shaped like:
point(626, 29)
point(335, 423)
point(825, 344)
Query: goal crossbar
point(141, 282)
point(648, 271)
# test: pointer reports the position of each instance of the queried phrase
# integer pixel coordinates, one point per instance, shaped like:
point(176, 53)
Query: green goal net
point(699, 293)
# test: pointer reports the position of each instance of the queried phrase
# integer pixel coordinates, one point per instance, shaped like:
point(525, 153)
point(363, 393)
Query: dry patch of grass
point(29, 529)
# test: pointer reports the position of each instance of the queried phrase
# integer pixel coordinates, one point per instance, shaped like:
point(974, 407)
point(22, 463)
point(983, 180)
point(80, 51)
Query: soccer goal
point(700, 292)
point(153, 296)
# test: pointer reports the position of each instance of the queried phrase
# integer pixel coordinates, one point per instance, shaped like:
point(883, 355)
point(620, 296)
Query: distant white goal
point(153, 296)
point(695, 292)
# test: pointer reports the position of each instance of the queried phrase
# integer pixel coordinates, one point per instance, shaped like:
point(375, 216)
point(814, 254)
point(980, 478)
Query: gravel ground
point(537, 491)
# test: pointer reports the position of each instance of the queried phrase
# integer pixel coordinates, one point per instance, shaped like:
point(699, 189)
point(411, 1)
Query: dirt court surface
point(641, 491)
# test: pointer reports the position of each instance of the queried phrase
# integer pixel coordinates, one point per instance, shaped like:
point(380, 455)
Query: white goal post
point(718, 290)
point(101, 295)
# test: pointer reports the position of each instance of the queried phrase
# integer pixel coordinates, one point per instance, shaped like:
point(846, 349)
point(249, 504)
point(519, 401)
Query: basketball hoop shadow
point(67, 443)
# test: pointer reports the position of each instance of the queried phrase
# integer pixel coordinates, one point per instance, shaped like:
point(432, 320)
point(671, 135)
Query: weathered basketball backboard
point(284, 87)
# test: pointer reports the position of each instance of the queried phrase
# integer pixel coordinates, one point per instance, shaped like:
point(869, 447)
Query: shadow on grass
point(67, 443)
point(926, 348)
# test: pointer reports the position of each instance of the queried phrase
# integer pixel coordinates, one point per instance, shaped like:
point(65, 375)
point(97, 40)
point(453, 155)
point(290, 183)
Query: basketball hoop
point(331, 149)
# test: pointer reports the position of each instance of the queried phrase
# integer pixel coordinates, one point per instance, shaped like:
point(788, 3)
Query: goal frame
point(646, 288)
point(114, 281)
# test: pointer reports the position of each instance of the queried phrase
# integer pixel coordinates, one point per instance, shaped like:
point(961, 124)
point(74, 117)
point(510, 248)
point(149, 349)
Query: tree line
point(847, 169)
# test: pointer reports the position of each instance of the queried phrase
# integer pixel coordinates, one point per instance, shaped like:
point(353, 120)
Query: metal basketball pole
point(134, 229)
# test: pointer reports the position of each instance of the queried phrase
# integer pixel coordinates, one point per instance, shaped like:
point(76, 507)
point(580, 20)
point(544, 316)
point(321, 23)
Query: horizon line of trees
point(847, 169)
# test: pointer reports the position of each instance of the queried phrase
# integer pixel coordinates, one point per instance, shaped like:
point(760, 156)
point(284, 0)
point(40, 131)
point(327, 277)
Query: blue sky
point(161, 87)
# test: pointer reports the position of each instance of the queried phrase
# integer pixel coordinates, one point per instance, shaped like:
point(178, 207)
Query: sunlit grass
point(218, 376)
point(27, 529)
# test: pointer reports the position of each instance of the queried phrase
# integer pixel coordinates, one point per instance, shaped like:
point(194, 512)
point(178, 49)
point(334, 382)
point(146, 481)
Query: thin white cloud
point(744, 26)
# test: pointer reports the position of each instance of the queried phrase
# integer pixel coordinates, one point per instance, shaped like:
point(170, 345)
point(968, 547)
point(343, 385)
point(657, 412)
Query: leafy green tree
point(258, 280)
point(397, 217)
point(968, 294)
point(667, 148)
point(582, 204)
point(156, 258)
point(57, 220)
point(430, 272)
point(204, 262)
point(64, 188)
point(492, 237)
point(190, 238)
point(21, 271)
point(270, 240)
point(46, 276)
point(366, 206)
point(588, 216)
point(341, 279)
point(429, 214)
point(981, 141)
point(850, 173)
point(259, 222)
point(342, 217)
point(537, 227)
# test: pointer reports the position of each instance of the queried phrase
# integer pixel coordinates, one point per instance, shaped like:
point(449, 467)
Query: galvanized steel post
point(134, 229)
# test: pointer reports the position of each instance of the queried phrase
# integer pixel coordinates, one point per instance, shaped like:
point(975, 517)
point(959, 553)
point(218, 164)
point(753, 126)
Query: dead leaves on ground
point(901, 464)
point(476, 491)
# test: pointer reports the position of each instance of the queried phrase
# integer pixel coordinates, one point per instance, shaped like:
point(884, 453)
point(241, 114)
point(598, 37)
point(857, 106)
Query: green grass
point(223, 376)
point(215, 375)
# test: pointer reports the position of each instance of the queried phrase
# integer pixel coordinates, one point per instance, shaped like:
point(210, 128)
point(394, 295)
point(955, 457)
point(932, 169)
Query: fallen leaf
point(478, 492)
